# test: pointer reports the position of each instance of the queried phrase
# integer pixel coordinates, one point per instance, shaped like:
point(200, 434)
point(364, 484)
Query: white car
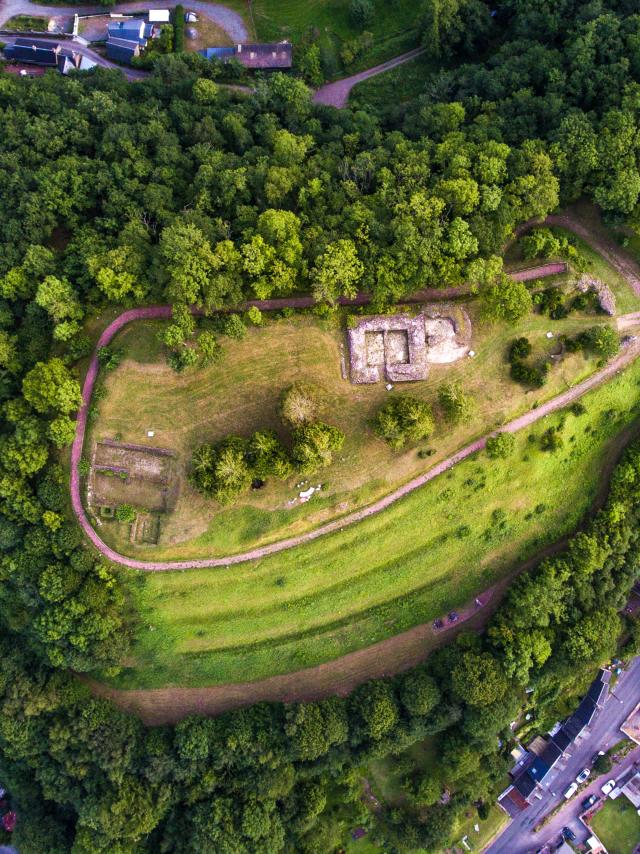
point(608, 787)
point(583, 775)
point(573, 788)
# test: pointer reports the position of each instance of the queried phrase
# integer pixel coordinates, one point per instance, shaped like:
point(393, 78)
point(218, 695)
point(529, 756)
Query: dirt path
point(337, 94)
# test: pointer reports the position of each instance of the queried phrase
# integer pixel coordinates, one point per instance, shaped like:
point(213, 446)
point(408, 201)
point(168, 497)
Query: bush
point(180, 360)
point(601, 340)
point(456, 404)
point(529, 375)
point(300, 403)
point(234, 327)
point(125, 513)
point(551, 440)
point(603, 764)
point(519, 349)
point(254, 316)
point(404, 419)
point(501, 446)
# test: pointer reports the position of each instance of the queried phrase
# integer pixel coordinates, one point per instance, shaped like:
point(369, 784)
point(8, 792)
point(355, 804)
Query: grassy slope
point(393, 88)
point(618, 826)
point(397, 569)
point(241, 394)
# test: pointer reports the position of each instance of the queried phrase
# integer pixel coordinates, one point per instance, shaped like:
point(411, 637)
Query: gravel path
point(337, 94)
point(229, 20)
point(628, 355)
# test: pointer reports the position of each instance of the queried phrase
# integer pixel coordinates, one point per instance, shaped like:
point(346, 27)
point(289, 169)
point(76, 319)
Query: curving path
point(628, 355)
point(337, 94)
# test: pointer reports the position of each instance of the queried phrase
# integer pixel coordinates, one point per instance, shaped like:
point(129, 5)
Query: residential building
point(47, 54)
point(266, 56)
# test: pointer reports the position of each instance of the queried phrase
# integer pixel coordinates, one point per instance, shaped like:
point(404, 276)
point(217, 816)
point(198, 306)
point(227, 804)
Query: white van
point(573, 788)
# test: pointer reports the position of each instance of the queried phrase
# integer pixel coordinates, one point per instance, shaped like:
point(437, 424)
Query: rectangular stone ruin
point(390, 347)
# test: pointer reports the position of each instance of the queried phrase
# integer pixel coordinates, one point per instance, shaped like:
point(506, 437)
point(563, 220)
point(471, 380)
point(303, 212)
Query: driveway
point(519, 837)
point(224, 17)
point(337, 94)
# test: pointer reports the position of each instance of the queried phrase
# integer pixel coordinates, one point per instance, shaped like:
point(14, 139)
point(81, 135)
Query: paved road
point(337, 94)
point(225, 18)
point(519, 838)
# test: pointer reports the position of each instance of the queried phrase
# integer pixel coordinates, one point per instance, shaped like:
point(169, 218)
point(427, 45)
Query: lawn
point(617, 825)
point(427, 553)
point(328, 23)
point(209, 35)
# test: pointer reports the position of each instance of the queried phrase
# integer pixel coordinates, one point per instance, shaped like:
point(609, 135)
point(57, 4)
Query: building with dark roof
point(132, 30)
point(47, 54)
point(525, 784)
point(122, 50)
point(562, 739)
point(266, 56)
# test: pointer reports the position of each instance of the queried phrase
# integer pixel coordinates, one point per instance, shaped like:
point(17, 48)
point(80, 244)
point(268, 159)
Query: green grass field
point(617, 825)
point(394, 88)
point(427, 553)
point(327, 21)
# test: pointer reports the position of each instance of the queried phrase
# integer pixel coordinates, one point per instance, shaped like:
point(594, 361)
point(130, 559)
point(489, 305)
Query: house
point(122, 50)
point(159, 16)
point(272, 55)
point(131, 30)
point(544, 752)
point(47, 54)
point(631, 789)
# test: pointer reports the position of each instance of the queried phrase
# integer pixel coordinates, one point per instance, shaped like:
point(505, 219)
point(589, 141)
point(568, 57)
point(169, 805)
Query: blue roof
point(129, 30)
point(121, 51)
point(217, 52)
point(539, 769)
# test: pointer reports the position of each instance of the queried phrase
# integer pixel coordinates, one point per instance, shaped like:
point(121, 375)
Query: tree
point(61, 431)
point(419, 693)
point(501, 446)
point(221, 471)
point(314, 444)
point(267, 457)
point(478, 679)
point(456, 404)
point(337, 272)
point(361, 13)
point(300, 403)
point(208, 348)
point(49, 386)
point(375, 706)
point(189, 263)
point(403, 419)
point(505, 299)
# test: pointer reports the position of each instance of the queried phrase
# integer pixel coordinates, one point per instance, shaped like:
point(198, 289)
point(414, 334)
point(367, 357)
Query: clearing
point(617, 825)
point(429, 552)
point(240, 394)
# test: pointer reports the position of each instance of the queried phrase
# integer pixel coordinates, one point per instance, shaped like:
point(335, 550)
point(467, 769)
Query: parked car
point(438, 624)
point(608, 787)
point(570, 792)
point(589, 802)
point(583, 775)
point(453, 617)
point(568, 834)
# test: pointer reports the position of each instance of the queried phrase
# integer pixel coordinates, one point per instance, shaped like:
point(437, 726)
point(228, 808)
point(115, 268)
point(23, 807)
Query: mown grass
point(427, 553)
point(240, 394)
point(617, 825)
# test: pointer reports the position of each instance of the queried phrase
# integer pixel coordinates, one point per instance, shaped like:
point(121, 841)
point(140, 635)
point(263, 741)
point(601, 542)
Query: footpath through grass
point(429, 552)
point(617, 825)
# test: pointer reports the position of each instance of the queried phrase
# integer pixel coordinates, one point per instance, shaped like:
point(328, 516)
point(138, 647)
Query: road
point(337, 94)
point(519, 837)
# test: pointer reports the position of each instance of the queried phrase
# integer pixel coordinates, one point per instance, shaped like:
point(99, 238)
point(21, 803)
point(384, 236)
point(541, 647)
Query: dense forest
point(178, 189)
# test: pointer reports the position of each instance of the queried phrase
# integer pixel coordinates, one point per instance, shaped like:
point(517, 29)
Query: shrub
point(254, 316)
point(456, 404)
point(551, 440)
point(530, 375)
point(208, 348)
point(234, 327)
point(180, 360)
point(519, 349)
point(603, 764)
point(125, 513)
point(404, 419)
point(601, 340)
point(266, 456)
point(300, 403)
point(501, 446)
